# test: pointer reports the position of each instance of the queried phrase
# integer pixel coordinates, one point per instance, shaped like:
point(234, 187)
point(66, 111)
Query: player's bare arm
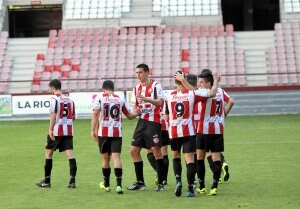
point(214, 88)
point(51, 125)
point(156, 102)
point(228, 107)
point(94, 122)
point(178, 76)
point(133, 114)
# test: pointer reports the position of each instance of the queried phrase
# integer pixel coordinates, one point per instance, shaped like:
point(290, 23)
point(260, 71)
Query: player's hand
point(179, 76)
point(136, 112)
point(217, 77)
point(94, 136)
point(50, 133)
point(141, 98)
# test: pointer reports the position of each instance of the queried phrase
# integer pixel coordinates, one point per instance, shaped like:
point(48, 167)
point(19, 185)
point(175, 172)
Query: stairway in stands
point(265, 102)
point(255, 45)
point(24, 52)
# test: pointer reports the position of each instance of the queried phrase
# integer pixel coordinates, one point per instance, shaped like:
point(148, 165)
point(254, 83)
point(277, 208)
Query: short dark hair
point(207, 75)
point(179, 82)
point(144, 67)
point(108, 85)
point(55, 83)
point(192, 79)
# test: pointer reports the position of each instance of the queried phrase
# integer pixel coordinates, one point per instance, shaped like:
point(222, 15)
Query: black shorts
point(165, 140)
point(62, 143)
point(210, 142)
point(187, 144)
point(147, 134)
point(110, 144)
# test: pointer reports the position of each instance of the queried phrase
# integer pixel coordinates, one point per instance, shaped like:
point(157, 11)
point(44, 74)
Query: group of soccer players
point(163, 120)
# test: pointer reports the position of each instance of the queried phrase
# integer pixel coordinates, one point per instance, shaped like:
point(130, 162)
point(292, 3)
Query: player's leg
point(73, 168)
point(104, 148)
point(135, 152)
point(189, 148)
point(216, 149)
point(66, 145)
point(200, 164)
point(225, 168)
point(151, 159)
point(177, 168)
point(46, 183)
point(190, 173)
point(217, 166)
point(160, 167)
point(106, 170)
point(152, 135)
point(116, 145)
point(164, 152)
point(49, 149)
point(210, 161)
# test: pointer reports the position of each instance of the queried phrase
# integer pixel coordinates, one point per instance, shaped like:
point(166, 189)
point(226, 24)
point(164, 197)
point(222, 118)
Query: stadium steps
point(255, 45)
point(141, 10)
point(24, 51)
point(265, 102)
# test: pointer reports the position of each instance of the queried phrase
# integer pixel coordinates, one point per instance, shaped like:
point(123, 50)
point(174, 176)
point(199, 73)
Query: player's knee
point(156, 152)
point(200, 155)
point(134, 152)
point(70, 154)
point(216, 156)
point(176, 154)
point(48, 154)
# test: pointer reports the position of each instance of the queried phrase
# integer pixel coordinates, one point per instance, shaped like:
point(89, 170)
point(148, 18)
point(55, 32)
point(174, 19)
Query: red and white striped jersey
point(111, 107)
point(148, 111)
point(196, 112)
point(164, 124)
point(64, 108)
point(179, 106)
point(212, 114)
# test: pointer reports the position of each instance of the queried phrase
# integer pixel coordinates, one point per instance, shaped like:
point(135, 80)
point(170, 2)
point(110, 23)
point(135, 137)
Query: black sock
point(177, 168)
point(195, 161)
point(152, 161)
point(222, 158)
point(190, 173)
point(211, 164)
point(139, 171)
point(201, 173)
point(195, 157)
point(48, 168)
point(166, 167)
point(106, 176)
point(217, 173)
point(160, 170)
point(73, 169)
point(118, 174)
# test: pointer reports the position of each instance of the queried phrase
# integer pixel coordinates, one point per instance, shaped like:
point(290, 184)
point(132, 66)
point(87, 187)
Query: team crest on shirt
point(155, 139)
point(150, 91)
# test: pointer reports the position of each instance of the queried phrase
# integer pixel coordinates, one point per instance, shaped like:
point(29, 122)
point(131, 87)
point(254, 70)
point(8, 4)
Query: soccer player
point(148, 97)
point(179, 113)
point(210, 131)
point(60, 134)
point(192, 80)
point(107, 112)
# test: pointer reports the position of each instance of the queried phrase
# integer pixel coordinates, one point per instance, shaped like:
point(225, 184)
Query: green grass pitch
point(263, 153)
